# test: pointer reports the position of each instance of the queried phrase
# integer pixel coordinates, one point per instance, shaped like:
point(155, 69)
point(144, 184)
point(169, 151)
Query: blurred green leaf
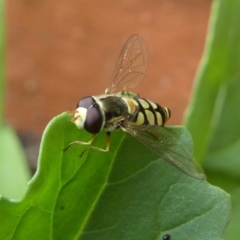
point(219, 67)
point(126, 193)
point(213, 116)
point(14, 172)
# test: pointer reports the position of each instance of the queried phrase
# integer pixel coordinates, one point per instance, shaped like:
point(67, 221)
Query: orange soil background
point(60, 51)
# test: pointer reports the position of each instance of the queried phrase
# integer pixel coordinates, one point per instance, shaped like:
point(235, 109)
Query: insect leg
point(108, 135)
point(81, 143)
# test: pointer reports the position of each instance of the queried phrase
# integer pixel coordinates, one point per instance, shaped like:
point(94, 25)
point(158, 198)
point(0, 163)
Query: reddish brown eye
point(94, 119)
point(86, 102)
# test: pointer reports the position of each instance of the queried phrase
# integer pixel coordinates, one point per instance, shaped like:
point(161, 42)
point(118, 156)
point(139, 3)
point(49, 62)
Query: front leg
point(80, 143)
point(108, 135)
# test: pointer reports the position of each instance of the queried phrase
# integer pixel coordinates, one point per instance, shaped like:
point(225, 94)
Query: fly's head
point(88, 115)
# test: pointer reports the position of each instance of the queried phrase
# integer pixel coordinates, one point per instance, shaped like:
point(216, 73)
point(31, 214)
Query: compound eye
point(86, 102)
point(93, 121)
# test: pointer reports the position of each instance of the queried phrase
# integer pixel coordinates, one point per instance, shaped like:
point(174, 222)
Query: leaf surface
point(213, 117)
point(127, 193)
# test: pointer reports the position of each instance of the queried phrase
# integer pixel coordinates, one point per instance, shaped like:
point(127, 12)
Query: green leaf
point(14, 172)
point(213, 116)
point(126, 193)
point(220, 66)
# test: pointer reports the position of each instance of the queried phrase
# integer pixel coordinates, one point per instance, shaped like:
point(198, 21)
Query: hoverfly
point(141, 118)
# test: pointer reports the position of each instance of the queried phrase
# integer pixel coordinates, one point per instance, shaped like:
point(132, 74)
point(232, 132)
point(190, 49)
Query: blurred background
point(60, 51)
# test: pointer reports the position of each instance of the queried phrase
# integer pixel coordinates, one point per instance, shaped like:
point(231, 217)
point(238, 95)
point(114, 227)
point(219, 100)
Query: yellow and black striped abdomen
point(149, 113)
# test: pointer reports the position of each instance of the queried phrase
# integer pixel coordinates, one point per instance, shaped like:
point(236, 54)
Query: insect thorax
point(115, 111)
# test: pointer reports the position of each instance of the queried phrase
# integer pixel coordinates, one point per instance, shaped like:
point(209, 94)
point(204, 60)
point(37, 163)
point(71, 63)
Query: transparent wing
point(167, 145)
point(131, 65)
